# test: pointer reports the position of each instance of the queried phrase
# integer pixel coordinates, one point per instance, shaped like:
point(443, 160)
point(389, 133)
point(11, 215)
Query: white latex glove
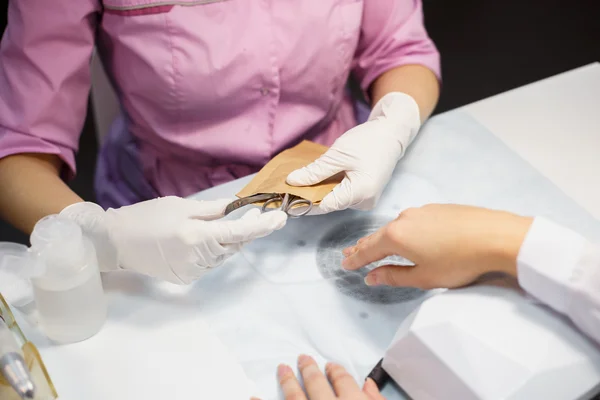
point(367, 154)
point(170, 238)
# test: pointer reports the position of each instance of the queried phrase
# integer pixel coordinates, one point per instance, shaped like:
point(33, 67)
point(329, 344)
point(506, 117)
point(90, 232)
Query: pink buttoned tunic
point(209, 90)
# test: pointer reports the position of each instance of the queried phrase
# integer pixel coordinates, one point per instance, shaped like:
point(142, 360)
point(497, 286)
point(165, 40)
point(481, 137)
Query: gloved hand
point(170, 238)
point(367, 154)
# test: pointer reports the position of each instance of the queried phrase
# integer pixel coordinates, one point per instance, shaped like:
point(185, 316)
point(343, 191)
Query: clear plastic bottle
point(67, 288)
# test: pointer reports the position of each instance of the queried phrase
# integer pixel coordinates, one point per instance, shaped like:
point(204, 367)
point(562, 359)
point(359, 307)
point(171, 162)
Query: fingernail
point(303, 360)
point(329, 366)
point(283, 370)
point(349, 251)
point(347, 263)
point(371, 279)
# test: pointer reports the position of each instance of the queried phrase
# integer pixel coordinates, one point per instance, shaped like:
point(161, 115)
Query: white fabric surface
point(271, 303)
point(155, 345)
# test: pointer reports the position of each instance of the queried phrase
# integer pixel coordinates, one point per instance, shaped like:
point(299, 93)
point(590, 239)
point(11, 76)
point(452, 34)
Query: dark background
point(487, 47)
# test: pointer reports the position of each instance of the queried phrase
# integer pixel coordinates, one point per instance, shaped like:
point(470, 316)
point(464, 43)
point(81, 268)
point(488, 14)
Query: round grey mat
point(351, 283)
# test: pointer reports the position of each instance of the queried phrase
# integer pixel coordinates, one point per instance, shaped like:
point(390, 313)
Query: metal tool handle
point(288, 203)
point(257, 198)
point(279, 199)
point(307, 203)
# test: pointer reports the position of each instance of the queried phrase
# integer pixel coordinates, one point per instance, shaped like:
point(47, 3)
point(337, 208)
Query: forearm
point(31, 188)
point(415, 80)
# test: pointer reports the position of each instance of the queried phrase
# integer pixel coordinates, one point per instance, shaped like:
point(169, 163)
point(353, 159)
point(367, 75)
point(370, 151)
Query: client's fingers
point(289, 384)
point(396, 275)
point(317, 386)
point(371, 390)
point(343, 383)
point(350, 250)
point(373, 249)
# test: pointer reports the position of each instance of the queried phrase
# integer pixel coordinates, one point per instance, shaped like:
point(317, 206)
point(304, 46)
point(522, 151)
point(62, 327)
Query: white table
point(531, 150)
point(554, 124)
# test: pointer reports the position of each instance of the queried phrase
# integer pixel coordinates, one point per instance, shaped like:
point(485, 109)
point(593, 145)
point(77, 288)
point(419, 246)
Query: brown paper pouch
point(271, 178)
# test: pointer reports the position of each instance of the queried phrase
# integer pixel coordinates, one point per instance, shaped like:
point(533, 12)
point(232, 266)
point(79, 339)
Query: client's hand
point(339, 386)
point(450, 245)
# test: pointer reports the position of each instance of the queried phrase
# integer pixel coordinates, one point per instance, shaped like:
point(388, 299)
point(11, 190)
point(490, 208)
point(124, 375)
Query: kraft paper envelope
point(271, 178)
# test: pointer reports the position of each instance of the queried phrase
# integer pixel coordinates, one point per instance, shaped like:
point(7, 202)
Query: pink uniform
point(210, 90)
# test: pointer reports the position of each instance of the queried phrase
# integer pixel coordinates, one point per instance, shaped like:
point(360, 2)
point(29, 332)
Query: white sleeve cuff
point(546, 261)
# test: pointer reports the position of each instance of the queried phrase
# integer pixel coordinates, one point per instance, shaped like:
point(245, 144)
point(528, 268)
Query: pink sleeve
point(45, 76)
point(392, 35)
